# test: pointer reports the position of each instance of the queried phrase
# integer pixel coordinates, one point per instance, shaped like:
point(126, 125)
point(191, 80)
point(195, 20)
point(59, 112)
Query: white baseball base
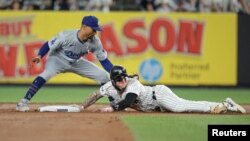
point(59, 108)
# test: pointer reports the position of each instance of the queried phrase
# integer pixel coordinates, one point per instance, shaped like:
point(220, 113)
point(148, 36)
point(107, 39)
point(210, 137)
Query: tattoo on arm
point(91, 99)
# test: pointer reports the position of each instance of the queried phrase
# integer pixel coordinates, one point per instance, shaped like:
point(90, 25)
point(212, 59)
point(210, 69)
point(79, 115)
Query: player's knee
point(178, 110)
point(46, 76)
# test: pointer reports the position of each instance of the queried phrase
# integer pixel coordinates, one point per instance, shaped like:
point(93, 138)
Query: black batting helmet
point(117, 73)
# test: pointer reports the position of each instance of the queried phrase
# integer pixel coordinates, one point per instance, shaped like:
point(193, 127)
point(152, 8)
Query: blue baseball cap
point(92, 22)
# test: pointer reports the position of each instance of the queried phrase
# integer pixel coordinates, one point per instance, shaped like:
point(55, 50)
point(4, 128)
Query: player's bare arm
point(91, 99)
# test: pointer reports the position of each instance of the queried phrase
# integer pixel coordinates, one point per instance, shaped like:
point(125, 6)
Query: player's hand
point(106, 109)
point(81, 108)
point(37, 59)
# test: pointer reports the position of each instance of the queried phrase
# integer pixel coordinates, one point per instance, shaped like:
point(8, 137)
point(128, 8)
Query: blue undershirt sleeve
point(106, 64)
point(44, 49)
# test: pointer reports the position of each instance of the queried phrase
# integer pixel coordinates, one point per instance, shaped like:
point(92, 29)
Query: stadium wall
point(243, 50)
point(187, 49)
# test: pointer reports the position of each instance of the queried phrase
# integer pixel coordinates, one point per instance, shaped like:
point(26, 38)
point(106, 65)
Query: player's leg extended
point(170, 101)
point(52, 67)
point(90, 70)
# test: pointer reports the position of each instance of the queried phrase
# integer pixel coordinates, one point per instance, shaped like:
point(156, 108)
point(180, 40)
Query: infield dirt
point(49, 126)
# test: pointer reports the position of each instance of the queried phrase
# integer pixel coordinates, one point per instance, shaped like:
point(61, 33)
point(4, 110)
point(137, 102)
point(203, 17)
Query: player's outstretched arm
point(43, 51)
point(91, 99)
point(127, 102)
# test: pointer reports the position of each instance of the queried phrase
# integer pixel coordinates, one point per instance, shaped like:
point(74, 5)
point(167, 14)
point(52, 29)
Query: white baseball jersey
point(144, 100)
point(165, 99)
point(65, 55)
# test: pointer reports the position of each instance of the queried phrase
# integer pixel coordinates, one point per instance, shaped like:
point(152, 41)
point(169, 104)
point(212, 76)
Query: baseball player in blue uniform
point(126, 91)
point(65, 53)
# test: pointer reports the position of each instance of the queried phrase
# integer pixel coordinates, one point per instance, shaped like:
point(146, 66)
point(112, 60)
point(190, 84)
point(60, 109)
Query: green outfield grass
point(62, 94)
point(171, 127)
point(48, 94)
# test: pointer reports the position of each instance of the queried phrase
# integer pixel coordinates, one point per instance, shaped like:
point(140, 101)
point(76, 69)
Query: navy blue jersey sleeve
point(106, 64)
point(44, 49)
